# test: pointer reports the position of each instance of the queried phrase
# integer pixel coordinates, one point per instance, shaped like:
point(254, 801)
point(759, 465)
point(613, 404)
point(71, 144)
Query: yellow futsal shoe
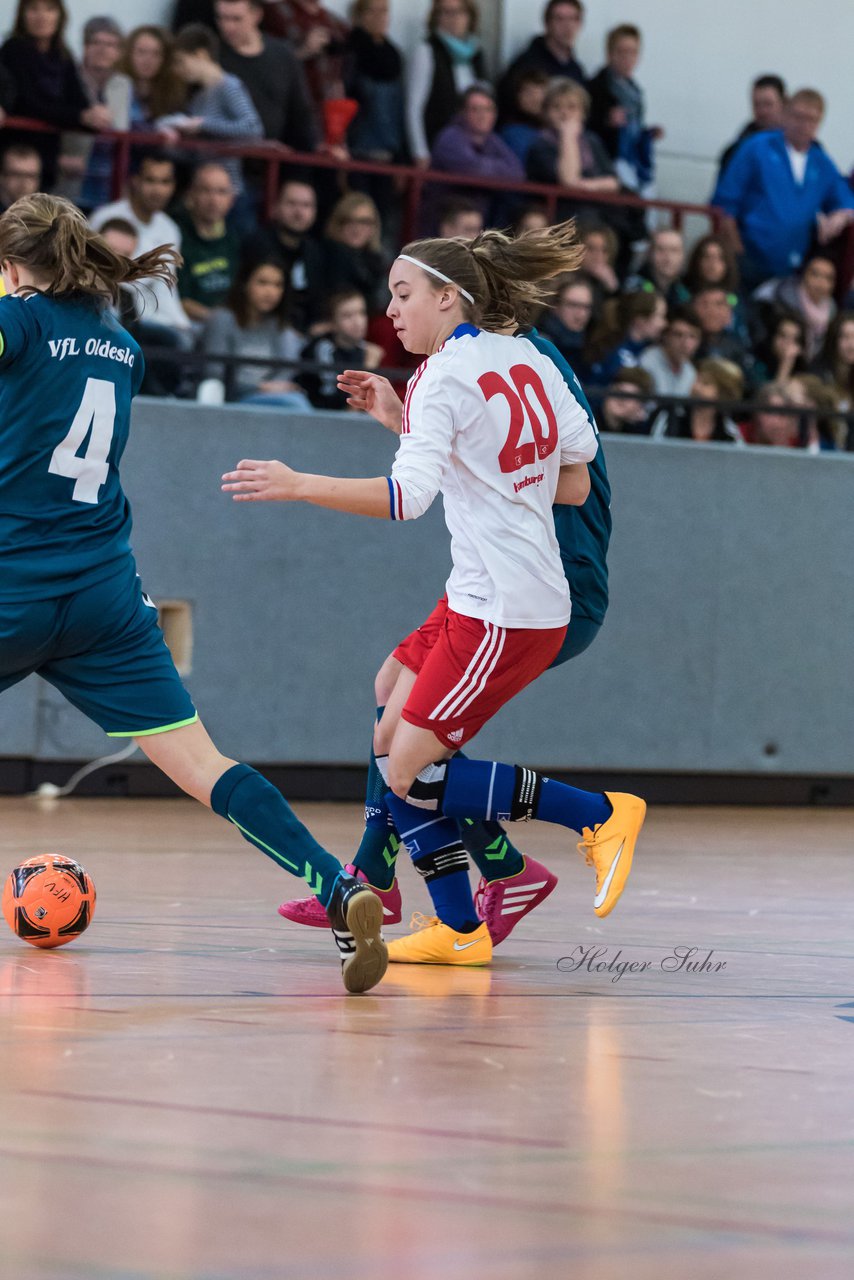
point(437, 943)
point(610, 847)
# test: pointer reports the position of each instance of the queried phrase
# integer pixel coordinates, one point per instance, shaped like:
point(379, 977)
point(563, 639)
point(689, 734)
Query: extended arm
point(256, 481)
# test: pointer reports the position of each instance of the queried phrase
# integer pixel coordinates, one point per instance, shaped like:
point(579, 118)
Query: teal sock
point(377, 852)
point(489, 849)
point(377, 855)
point(263, 816)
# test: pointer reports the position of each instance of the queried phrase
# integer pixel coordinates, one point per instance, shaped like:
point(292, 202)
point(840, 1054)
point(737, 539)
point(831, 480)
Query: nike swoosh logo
point(465, 946)
point(603, 892)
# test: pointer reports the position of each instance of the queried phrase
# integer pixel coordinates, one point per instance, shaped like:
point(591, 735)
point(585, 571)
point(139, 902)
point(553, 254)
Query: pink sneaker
point(503, 903)
point(309, 911)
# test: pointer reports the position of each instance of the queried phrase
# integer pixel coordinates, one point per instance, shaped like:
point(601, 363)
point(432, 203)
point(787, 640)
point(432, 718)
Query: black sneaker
point(356, 916)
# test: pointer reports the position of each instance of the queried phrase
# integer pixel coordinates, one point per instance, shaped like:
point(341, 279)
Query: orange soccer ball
point(48, 900)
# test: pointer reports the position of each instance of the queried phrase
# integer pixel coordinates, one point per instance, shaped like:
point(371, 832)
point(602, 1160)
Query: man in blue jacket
point(781, 188)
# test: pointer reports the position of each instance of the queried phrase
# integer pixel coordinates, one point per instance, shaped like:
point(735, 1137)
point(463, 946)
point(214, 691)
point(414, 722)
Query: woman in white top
point(492, 425)
point(446, 63)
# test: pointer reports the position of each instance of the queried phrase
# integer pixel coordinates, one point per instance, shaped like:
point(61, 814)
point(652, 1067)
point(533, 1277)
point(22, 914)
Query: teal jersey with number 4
point(68, 373)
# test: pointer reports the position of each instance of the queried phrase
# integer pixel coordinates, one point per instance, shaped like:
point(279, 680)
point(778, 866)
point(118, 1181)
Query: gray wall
point(727, 647)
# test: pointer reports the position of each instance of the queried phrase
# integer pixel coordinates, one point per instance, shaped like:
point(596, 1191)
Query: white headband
point(438, 274)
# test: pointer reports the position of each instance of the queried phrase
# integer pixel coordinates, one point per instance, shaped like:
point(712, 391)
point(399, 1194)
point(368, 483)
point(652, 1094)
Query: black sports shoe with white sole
point(356, 916)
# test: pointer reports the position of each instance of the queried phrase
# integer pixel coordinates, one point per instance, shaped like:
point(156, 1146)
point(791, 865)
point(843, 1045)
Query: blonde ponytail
point(51, 238)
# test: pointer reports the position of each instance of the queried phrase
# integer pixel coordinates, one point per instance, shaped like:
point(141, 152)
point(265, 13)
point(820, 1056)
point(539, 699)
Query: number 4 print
point(515, 455)
point(98, 411)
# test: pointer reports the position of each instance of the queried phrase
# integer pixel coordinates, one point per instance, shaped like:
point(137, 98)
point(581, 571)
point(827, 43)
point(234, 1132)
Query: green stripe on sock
point(274, 853)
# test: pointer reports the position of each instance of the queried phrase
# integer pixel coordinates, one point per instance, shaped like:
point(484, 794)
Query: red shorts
point(467, 669)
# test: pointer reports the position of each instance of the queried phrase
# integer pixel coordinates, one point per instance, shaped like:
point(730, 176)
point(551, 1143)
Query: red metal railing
point(276, 157)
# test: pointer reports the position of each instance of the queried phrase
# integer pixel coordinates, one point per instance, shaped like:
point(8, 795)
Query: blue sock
point(491, 852)
point(489, 790)
point(263, 816)
point(377, 852)
point(437, 854)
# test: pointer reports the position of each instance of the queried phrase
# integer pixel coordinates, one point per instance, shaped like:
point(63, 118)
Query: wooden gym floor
point(187, 1094)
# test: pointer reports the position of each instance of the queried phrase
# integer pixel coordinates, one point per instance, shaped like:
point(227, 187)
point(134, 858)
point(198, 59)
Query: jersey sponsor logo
point(523, 484)
point(62, 347)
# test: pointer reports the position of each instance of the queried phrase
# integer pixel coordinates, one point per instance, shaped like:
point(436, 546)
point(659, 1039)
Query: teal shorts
point(102, 648)
point(580, 635)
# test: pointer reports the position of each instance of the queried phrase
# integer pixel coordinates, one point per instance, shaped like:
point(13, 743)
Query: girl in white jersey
point(491, 424)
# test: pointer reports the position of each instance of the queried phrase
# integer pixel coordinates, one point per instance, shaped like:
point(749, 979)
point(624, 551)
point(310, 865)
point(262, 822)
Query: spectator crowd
point(744, 336)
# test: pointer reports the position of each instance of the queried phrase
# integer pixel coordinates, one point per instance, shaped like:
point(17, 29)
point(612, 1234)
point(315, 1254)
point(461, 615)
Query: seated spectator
point(714, 311)
point(779, 186)
point(820, 431)
point(521, 127)
point(835, 364)
point(155, 89)
point(767, 99)
point(622, 409)
point(571, 155)
point(287, 238)
point(670, 361)
point(121, 236)
point(716, 380)
point(352, 250)
point(86, 164)
point(565, 151)
point(532, 217)
point(460, 217)
point(809, 294)
point(617, 113)
point(766, 425)
point(254, 325)
point(470, 146)
point(345, 346)
point(46, 80)
point(712, 262)
point(629, 324)
point(662, 268)
point(553, 52)
point(601, 247)
point(373, 77)
point(567, 321)
point(210, 249)
point(219, 105)
point(319, 39)
point(783, 351)
point(270, 71)
point(442, 67)
point(20, 173)
point(162, 319)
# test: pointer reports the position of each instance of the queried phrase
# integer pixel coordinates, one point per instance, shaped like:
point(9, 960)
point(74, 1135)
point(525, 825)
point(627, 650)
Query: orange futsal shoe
point(437, 943)
point(610, 847)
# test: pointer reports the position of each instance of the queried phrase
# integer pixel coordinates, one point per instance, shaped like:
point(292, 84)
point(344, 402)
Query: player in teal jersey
point(71, 604)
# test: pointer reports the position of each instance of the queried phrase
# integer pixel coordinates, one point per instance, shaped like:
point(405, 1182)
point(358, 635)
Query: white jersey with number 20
point(488, 422)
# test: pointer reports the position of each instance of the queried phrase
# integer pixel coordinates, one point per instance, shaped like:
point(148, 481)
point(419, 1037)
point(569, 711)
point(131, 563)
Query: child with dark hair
point(254, 324)
point(345, 346)
point(629, 324)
